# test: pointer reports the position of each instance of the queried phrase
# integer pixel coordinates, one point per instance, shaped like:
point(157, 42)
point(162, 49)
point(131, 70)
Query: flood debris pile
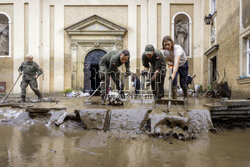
point(156, 122)
point(230, 113)
point(181, 124)
point(161, 122)
point(113, 120)
point(11, 116)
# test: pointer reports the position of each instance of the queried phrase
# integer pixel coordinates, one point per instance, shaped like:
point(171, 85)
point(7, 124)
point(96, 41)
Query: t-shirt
point(178, 51)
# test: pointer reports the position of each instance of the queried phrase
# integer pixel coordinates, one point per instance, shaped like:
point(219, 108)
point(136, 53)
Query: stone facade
point(61, 33)
point(228, 48)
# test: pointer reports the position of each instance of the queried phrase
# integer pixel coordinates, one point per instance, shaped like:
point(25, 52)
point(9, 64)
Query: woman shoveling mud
point(176, 56)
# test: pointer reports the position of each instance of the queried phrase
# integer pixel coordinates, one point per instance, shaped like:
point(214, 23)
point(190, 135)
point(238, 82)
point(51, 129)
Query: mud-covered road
point(35, 142)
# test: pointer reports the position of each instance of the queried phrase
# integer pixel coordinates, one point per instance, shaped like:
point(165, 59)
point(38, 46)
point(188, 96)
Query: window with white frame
point(212, 6)
point(248, 56)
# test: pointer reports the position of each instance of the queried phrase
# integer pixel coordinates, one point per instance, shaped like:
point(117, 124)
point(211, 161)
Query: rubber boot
point(40, 97)
point(23, 99)
point(185, 93)
point(103, 100)
point(174, 92)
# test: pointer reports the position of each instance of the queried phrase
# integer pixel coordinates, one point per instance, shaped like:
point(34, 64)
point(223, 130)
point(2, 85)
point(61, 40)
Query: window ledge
point(244, 80)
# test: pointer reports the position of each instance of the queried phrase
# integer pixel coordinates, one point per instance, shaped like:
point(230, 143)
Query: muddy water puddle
point(34, 142)
point(38, 145)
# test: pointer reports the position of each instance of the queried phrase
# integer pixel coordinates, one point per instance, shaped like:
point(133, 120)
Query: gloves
point(144, 73)
point(121, 92)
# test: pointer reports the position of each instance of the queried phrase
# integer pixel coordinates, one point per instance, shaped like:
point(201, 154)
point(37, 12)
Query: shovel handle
point(11, 89)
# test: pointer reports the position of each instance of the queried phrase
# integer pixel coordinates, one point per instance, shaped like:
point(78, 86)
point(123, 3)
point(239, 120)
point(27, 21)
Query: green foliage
point(200, 89)
point(66, 91)
point(209, 87)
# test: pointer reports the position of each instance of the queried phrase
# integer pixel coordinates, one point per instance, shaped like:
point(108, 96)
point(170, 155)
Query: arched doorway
point(91, 68)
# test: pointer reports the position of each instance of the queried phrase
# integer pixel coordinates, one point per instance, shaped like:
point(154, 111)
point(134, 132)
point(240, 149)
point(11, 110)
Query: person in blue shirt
point(136, 84)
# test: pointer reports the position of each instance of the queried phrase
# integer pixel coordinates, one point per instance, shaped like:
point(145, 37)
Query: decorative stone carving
point(74, 45)
point(97, 44)
point(4, 35)
point(87, 37)
point(181, 33)
point(119, 45)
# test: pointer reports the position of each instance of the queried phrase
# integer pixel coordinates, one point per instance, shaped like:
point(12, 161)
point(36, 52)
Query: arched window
point(4, 34)
point(182, 31)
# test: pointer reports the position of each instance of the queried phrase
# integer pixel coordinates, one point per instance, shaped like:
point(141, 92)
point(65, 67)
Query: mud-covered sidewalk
point(134, 116)
point(73, 131)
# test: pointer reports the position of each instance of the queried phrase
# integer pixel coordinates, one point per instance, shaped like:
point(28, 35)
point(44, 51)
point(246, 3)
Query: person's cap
point(149, 49)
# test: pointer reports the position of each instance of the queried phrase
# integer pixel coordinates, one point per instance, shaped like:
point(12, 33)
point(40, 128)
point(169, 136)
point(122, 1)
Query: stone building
point(226, 44)
point(68, 37)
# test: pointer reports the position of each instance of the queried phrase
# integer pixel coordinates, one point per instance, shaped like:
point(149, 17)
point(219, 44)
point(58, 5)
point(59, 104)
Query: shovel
point(170, 87)
point(93, 94)
point(5, 98)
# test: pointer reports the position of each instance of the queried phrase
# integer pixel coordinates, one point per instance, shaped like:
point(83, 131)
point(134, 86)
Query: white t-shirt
point(178, 51)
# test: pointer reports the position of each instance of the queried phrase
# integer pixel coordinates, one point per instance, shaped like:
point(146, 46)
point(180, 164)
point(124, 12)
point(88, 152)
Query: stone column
point(59, 47)
point(18, 40)
point(34, 29)
point(46, 45)
point(74, 47)
point(152, 23)
point(132, 36)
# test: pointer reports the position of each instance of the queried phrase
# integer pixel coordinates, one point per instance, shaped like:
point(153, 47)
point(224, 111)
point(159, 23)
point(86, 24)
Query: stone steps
point(229, 113)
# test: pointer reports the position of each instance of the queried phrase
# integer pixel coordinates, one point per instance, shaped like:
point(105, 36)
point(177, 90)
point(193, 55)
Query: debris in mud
point(168, 124)
point(199, 121)
point(93, 118)
point(76, 93)
point(158, 122)
point(11, 116)
point(127, 119)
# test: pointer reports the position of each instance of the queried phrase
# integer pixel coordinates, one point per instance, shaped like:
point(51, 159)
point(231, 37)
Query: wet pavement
point(38, 142)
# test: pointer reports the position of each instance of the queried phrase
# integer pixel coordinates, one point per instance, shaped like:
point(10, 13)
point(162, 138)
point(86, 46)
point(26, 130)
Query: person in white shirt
point(176, 56)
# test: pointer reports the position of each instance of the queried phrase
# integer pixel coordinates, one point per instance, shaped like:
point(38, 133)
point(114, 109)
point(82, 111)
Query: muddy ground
point(26, 141)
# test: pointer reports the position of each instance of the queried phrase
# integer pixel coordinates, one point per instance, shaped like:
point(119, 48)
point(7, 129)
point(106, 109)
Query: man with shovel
point(31, 71)
point(154, 60)
point(108, 66)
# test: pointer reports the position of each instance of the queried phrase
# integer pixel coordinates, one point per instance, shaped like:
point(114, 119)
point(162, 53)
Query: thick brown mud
point(45, 140)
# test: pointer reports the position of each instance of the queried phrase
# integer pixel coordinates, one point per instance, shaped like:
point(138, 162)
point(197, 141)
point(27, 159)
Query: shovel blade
point(173, 101)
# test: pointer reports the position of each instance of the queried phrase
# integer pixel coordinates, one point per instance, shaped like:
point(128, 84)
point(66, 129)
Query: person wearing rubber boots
point(108, 66)
point(31, 71)
point(154, 60)
point(175, 55)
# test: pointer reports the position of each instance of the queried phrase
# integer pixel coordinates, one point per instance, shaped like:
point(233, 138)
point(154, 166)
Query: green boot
point(185, 93)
